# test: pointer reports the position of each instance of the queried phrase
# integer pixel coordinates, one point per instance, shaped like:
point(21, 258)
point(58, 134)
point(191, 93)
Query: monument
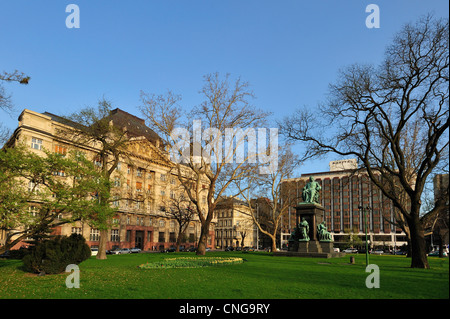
point(310, 238)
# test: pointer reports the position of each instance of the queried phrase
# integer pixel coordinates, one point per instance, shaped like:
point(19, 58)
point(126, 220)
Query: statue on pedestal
point(311, 191)
point(304, 230)
point(323, 233)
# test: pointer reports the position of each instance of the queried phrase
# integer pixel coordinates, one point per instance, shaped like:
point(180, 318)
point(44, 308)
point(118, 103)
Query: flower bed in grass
point(191, 262)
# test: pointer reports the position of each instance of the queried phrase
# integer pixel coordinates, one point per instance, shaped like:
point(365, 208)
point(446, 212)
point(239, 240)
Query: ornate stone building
point(143, 182)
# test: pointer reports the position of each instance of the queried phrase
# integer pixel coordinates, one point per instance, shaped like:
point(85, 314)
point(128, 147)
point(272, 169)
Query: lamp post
point(365, 230)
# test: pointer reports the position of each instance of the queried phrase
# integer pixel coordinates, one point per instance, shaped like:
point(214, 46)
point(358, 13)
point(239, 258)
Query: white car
point(351, 251)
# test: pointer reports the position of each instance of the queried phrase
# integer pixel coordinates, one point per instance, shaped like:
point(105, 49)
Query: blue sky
point(289, 51)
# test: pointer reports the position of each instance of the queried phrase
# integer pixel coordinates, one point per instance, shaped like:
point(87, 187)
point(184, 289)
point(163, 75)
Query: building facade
point(235, 226)
point(143, 183)
point(344, 193)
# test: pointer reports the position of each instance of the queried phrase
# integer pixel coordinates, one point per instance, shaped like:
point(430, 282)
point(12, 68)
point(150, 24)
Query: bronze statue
point(304, 229)
point(311, 191)
point(323, 233)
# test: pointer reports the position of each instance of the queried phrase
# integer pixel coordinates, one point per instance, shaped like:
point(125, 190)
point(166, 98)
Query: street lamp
point(365, 230)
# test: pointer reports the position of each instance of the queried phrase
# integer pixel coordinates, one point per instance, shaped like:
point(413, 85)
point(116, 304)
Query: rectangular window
point(161, 237)
point(62, 150)
point(115, 235)
point(36, 143)
point(32, 210)
point(76, 230)
point(59, 173)
point(33, 187)
point(94, 235)
point(116, 201)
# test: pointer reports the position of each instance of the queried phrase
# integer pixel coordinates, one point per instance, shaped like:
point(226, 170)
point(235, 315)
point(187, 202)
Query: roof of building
point(134, 125)
point(229, 200)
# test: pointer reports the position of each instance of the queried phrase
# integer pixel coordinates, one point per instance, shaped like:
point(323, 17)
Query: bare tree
point(179, 207)
point(371, 111)
point(5, 99)
point(202, 168)
point(16, 76)
point(272, 202)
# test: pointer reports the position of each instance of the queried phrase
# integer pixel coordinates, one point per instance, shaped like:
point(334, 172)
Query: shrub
point(18, 253)
point(53, 256)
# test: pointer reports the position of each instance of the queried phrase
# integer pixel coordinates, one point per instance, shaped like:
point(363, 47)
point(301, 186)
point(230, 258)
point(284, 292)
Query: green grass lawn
point(261, 276)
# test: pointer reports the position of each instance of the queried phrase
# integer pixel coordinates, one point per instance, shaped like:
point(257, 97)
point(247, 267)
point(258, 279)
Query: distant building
point(343, 192)
point(436, 223)
point(235, 226)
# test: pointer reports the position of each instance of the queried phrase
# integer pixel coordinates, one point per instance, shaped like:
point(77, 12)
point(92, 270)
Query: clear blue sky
point(289, 51)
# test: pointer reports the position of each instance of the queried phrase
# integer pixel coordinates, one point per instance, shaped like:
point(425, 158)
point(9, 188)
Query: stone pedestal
point(299, 247)
point(314, 215)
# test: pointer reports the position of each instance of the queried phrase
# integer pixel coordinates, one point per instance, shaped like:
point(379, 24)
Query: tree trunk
point(179, 238)
point(102, 244)
point(274, 243)
point(201, 249)
point(9, 244)
point(418, 246)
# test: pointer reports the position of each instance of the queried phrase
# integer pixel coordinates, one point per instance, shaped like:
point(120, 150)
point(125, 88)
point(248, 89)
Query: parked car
point(351, 251)
point(94, 251)
point(169, 250)
point(192, 249)
point(336, 250)
point(135, 250)
point(125, 251)
point(115, 251)
point(229, 248)
point(377, 252)
point(246, 248)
